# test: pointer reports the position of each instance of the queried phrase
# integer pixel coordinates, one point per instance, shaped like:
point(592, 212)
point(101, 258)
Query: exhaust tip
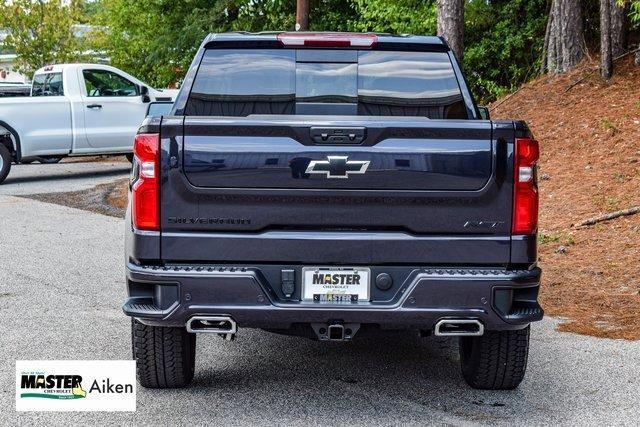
point(459, 328)
point(212, 324)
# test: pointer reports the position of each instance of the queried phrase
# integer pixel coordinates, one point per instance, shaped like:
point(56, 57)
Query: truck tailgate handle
point(337, 135)
point(94, 106)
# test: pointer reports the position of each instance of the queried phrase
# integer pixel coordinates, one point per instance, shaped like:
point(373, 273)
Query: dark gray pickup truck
point(331, 186)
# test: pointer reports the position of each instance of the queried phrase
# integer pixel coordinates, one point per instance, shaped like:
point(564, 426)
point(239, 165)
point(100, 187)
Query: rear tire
point(165, 356)
point(5, 162)
point(496, 360)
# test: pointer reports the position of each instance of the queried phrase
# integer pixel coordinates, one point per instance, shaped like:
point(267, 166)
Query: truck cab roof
point(59, 68)
point(402, 41)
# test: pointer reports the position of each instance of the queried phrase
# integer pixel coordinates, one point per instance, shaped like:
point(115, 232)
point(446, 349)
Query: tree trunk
point(302, 15)
point(606, 60)
point(573, 47)
point(451, 24)
point(618, 28)
point(545, 46)
point(565, 44)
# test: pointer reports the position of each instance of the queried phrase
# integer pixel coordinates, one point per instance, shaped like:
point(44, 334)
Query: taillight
point(145, 191)
point(327, 40)
point(525, 187)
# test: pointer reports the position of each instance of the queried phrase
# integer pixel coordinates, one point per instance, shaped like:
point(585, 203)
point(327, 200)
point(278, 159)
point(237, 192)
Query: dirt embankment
point(589, 133)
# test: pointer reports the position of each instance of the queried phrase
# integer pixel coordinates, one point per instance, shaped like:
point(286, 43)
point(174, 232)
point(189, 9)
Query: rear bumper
point(170, 295)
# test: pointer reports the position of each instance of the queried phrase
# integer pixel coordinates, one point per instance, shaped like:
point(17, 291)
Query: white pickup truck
point(74, 110)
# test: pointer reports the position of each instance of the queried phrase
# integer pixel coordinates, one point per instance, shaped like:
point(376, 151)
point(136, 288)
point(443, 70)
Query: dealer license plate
point(335, 284)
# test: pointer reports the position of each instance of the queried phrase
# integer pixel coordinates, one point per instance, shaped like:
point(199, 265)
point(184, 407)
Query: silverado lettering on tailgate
point(198, 220)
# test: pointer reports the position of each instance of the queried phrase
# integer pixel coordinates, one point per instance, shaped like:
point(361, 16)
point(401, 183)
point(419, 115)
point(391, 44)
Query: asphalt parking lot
point(62, 284)
point(62, 177)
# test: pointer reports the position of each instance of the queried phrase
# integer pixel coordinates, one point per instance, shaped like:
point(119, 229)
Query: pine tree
point(618, 14)
point(451, 24)
point(606, 60)
point(564, 39)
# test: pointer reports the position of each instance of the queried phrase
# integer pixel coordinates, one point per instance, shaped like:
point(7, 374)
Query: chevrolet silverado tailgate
point(241, 190)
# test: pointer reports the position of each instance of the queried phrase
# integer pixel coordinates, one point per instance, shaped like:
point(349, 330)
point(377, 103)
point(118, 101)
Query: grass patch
point(608, 125)
point(561, 238)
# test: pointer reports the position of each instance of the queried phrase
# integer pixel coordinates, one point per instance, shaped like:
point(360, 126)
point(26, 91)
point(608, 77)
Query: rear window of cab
point(242, 82)
point(49, 84)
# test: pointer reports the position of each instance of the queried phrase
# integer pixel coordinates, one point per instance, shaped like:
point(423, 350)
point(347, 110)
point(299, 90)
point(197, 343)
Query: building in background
point(7, 74)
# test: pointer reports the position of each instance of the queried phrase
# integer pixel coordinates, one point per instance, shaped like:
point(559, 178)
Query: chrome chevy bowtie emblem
point(337, 167)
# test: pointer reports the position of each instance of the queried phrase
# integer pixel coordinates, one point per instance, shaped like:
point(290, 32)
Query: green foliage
point(265, 15)
point(396, 16)
point(634, 11)
point(40, 32)
point(503, 44)
point(393, 16)
point(278, 15)
point(88, 11)
point(333, 15)
point(155, 40)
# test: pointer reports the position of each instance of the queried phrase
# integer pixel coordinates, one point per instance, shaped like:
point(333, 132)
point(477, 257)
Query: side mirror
point(144, 92)
point(484, 113)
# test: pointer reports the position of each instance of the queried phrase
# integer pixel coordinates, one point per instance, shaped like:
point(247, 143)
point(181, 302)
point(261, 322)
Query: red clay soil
point(86, 159)
point(589, 134)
